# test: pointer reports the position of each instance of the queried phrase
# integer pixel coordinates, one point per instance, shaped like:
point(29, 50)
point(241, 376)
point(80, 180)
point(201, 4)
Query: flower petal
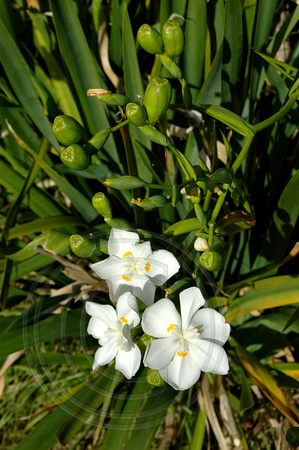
point(138, 285)
point(159, 317)
point(96, 327)
point(209, 357)
point(141, 250)
point(191, 300)
point(181, 373)
point(105, 354)
point(128, 362)
point(159, 353)
point(163, 265)
point(127, 309)
point(211, 325)
point(105, 313)
point(110, 267)
point(121, 241)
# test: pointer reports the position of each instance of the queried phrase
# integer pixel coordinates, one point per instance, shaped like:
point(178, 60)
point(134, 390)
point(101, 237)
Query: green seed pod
point(136, 114)
point(179, 286)
point(119, 223)
point(212, 260)
point(98, 141)
point(76, 157)
point(156, 201)
point(82, 247)
point(125, 182)
point(173, 38)
point(154, 378)
point(156, 99)
point(154, 135)
point(150, 39)
point(67, 130)
point(171, 66)
point(101, 203)
point(114, 99)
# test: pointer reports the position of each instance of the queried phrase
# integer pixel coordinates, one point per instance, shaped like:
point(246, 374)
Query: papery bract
point(186, 344)
point(133, 267)
point(112, 327)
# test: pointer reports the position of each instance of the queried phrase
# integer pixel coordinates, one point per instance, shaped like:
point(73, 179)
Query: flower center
point(134, 266)
point(183, 338)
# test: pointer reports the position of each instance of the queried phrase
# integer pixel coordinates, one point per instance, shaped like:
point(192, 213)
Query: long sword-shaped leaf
point(18, 73)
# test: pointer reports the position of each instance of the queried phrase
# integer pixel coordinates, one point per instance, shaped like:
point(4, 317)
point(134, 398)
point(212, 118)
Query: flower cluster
point(182, 345)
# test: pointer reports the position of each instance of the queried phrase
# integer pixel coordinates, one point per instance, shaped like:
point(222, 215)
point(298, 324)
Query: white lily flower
point(112, 327)
point(186, 344)
point(133, 267)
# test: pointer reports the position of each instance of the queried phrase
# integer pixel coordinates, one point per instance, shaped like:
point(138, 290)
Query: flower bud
point(150, 39)
point(156, 99)
point(171, 66)
point(173, 38)
point(154, 378)
point(154, 135)
point(67, 130)
point(136, 114)
point(98, 141)
point(82, 247)
point(201, 244)
point(76, 157)
point(212, 260)
point(125, 182)
point(101, 203)
point(156, 201)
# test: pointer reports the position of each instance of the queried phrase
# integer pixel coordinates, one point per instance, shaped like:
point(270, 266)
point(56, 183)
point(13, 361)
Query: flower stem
point(156, 186)
point(119, 125)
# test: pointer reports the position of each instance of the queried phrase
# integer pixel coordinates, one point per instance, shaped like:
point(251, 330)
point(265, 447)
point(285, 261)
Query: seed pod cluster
point(136, 114)
point(173, 38)
point(75, 157)
point(156, 99)
point(150, 39)
point(67, 130)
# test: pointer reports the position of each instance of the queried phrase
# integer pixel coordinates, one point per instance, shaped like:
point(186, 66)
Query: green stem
point(207, 201)
point(211, 234)
point(156, 186)
point(242, 155)
point(284, 110)
point(120, 125)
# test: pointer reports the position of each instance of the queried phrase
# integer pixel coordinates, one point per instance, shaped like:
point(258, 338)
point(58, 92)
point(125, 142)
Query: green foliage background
point(51, 54)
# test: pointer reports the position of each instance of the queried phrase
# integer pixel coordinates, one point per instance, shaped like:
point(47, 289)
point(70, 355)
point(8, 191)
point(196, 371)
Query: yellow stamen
point(197, 331)
point(127, 254)
point(181, 353)
point(171, 327)
point(121, 348)
point(123, 320)
point(147, 267)
point(126, 278)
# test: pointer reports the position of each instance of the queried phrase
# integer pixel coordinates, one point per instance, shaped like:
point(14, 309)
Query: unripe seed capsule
point(157, 97)
point(125, 182)
point(212, 260)
point(114, 99)
point(82, 247)
point(67, 130)
point(101, 203)
point(150, 39)
point(136, 114)
point(154, 378)
point(173, 38)
point(156, 201)
point(76, 157)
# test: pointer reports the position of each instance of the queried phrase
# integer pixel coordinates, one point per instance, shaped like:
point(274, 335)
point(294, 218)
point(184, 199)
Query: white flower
point(201, 244)
point(112, 327)
point(133, 267)
point(186, 344)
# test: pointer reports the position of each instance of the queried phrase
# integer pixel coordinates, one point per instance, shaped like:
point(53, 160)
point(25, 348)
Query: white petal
point(142, 250)
point(159, 353)
point(121, 241)
point(110, 267)
point(163, 265)
point(181, 373)
point(211, 325)
point(127, 309)
point(96, 327)
point(160, 316)
point(105, 354)
point(128, 362)
point(139, 285)
point(105, 313)
point(209, 357)
point(191, 300)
